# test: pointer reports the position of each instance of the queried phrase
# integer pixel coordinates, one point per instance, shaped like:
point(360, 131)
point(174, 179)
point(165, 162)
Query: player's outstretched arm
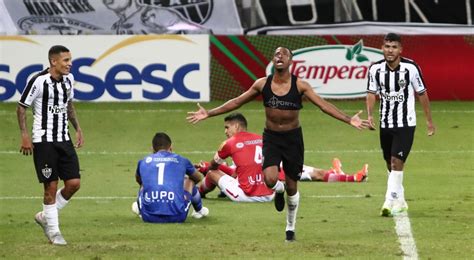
point(196, 116)
point(250, 94)
point(330, 109)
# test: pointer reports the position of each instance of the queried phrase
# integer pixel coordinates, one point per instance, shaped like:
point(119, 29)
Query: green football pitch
point(335, 220)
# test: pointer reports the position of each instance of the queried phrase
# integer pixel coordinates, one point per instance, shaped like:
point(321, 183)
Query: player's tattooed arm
point(71, 113)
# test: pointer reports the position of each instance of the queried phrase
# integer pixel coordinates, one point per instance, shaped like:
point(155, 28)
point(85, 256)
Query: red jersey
point(245, 149)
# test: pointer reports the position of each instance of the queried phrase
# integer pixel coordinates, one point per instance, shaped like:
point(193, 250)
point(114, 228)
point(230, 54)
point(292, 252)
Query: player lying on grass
point(244, 181)
point(167, 185)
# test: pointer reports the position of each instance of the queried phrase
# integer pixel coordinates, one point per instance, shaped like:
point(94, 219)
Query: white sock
point(391, 188)
point(279, 187)
point(51, 215)
point(61, 202)
point(394, 185)
point(293, 202)
point(399, 184)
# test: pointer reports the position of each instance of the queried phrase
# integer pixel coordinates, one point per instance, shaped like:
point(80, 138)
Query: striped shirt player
point(50, 95)
point(396, 80)
point(396, 89)
point(49, 99)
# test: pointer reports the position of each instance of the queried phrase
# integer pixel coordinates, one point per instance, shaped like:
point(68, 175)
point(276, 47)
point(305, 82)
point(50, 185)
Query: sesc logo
point(335, 71)
point(123, 68)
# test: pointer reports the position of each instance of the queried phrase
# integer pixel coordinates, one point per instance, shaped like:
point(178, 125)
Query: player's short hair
point(56, 49)
point(161, 141)
point(238, 117)
point(289, 50)
point(393, 37)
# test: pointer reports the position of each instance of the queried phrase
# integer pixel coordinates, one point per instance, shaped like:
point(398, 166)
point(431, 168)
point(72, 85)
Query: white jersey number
point(161, 171)
point(258, 154)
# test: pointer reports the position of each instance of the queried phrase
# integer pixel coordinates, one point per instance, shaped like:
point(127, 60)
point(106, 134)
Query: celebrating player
point(241, 183)
point(283, 136)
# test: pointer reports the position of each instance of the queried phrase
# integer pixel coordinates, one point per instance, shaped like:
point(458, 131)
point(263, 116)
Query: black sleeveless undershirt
point(290, 101)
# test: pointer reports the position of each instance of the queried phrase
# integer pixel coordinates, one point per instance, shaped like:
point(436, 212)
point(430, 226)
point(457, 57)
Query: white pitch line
point(8, 112)
point(80, 152)
point(340, 196)
point(405, 236)
point(75, 198)
point(128, 197)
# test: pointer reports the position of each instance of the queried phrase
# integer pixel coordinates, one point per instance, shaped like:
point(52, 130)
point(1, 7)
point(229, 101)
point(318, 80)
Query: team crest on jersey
point(239, 145)
point(46, 171)
point(402, 83)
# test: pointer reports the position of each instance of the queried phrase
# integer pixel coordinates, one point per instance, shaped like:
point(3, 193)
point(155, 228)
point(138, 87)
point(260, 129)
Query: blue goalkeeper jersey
point(162, 176)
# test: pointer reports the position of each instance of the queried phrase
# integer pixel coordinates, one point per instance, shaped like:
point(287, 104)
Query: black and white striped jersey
point(49, 99)
point(396, 89)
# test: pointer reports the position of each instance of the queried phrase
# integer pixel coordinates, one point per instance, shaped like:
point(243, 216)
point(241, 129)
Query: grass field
point(335, 220)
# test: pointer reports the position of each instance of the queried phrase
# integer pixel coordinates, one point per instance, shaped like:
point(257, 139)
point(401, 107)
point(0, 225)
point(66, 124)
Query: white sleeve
point(71, 93)
point(30, 93)
point(372, 86)
point(417, 81)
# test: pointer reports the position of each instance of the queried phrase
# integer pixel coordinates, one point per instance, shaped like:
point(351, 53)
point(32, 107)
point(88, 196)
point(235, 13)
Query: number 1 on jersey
point(161, 172)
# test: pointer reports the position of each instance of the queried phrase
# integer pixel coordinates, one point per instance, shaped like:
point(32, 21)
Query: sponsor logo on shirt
point(57, 109)
point(167, 159)
point(274, 102)
point(159, 196)
point(250, 142)
point(393, 97)
point(258, 179)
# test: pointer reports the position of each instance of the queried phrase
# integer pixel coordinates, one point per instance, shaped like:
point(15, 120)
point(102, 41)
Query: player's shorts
point(396, 142)
point(178, 218)
point(230, 186)
point(286, 147)
point(55, 160)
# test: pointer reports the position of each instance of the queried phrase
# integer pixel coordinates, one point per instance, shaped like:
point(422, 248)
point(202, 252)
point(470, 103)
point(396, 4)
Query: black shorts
point(396, 142)
point(286, 147)
point(55, 160)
